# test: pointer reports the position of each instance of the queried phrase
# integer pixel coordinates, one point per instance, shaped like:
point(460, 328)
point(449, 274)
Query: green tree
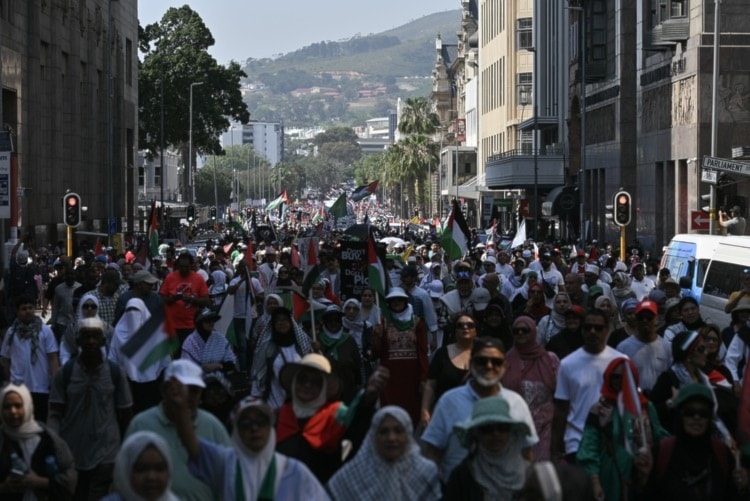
point(417, 117)
point(175, 54)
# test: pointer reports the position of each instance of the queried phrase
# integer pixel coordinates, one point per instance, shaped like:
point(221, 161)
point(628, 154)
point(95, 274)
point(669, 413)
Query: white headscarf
point(254, 465)
point(29, 427)
point(129, 453)
point(369, 476)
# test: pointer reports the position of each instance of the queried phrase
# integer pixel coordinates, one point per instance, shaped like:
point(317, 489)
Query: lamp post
point(535, 140)
point(714, 115)
point(191, 177)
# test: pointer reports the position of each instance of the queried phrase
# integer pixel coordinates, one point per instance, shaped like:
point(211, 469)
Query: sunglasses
point(89, 306)
point(697, 412)
point(521, 330)
point(483, 361)
point(496, 427)
point(465, 325)
point(311, 379)
point(596, 327)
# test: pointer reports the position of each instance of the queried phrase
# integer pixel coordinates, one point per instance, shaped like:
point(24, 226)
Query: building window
point(525, 33)
point(524, 86)
point(598, 35)
point(526, 141)
point(678, 8)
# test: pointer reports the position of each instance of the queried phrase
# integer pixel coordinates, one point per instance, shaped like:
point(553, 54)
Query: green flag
point(338, 209)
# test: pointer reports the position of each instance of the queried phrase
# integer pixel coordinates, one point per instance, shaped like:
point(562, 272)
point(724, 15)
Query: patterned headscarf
point(409, 477)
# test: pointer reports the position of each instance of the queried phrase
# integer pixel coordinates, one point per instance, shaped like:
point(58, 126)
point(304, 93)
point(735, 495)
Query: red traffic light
point(72, 209)
point(622, 199)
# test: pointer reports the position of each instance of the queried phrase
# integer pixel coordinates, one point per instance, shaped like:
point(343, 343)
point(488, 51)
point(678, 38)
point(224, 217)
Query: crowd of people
point(539, 372)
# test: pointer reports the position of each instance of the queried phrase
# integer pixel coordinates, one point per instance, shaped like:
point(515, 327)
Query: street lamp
point(191, 177)
point(535, 141)
point(714, 114)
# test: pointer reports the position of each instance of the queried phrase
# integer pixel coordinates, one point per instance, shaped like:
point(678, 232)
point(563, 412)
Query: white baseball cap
point(187, 372)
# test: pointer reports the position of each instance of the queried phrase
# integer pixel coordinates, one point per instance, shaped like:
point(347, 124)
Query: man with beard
point(455, 406)
point(579, 383)
point(184, 293)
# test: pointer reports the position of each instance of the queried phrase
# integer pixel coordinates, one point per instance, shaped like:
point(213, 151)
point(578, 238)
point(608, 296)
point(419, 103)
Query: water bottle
point(17, 465)
point(50, 464)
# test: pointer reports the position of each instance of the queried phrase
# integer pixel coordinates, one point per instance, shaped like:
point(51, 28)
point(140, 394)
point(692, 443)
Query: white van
point(708, 268)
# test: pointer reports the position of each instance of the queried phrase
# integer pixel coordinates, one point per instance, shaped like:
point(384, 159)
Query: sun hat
point(396, 292)
point(492, 410)
point(315, 362)
point(742, 305)
point(694, 390)
point(185, 371)
point(144, 276)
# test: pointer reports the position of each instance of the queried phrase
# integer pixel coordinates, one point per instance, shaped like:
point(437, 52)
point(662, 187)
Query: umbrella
point(392, 240)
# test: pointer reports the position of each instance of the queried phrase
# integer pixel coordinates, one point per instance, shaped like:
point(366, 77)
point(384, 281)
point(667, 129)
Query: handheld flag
point(154, 340)
point(281, 199)
point(629, 407)
point(375, 270)
point(339, 208)
point(455, 236)
point(364, 191)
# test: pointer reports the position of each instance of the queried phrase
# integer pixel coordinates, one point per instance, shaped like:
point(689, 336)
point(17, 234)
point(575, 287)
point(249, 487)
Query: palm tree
point(418, 117)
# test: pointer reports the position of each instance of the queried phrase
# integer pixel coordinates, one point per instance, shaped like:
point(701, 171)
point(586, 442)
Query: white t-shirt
point(651, 359)
point(642, 288)
point(240, 296)
point(579, 381)
point(35, 376)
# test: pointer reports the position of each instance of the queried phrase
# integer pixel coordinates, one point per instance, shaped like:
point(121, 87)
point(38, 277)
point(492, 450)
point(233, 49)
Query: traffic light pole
point(69, 233)
point(622, 243)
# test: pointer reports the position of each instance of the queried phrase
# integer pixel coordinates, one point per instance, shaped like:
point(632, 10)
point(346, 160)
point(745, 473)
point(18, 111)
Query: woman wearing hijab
point(281, 342)
point(604, 303)
point(338, 346)
point(536, 306)
point(401, 344)
point(35, 463)
point(218, 285)
point(144, 383)
point(531, 371)
point(270, 303)
point(361, 331)
point(88, 307)
point(249, 469)
point(550, 325)
point(495, 468)
point(143, 470)
point(612, 450)
point(312, 426)
point(369, 311)
point(621, 288)
point(389, 465)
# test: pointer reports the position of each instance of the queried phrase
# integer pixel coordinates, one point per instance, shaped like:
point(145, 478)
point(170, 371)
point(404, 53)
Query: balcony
point(514, 169)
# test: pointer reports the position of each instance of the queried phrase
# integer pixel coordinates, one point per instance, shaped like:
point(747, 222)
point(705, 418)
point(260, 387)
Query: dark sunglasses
point(521, 330)
point(465, 325)
point(596, 327)
point(495, 427)
point(699, 412)
point(482, 361)
point(89, 306)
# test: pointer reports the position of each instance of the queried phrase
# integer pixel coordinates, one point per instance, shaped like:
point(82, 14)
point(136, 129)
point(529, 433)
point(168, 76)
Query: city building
point(267, 139)
point(69, 80)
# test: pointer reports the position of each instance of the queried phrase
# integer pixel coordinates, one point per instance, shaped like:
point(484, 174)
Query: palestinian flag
point(339, 207)
point(154, 340)
point(281, 199)
point(455, 236)
point(153, 231)
point(364, 191)
point(375, 270)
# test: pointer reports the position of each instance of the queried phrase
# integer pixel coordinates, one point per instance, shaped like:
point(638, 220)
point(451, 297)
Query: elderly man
point(162, 418)
point(487, 369)
point(89, 404)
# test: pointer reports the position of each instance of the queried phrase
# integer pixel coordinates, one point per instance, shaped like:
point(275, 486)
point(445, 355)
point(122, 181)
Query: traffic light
point(72, 209)
point(213, 213)
point(707, 200)
point(609, 213)
point(622, 208)
point(191, 213)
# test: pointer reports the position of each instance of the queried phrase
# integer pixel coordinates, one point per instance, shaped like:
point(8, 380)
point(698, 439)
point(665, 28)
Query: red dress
point(404, 353)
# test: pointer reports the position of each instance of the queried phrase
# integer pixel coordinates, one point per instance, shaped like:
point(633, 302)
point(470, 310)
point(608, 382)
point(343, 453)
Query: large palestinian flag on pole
point(364, 191)
point(455, 236)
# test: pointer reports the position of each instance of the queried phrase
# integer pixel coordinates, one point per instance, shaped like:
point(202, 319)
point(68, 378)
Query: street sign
point(722, 164)
point(699, 220)
point(709, 176)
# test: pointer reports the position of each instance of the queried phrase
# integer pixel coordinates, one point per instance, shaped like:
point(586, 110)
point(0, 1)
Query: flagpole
point(312, 317)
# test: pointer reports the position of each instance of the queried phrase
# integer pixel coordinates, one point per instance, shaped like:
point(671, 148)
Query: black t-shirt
point(445, 374)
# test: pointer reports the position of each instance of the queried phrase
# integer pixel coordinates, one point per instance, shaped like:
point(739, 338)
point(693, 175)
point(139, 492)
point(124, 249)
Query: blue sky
point(256, 28)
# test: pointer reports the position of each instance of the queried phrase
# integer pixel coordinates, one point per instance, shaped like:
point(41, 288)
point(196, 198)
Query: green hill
point(345, 68)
